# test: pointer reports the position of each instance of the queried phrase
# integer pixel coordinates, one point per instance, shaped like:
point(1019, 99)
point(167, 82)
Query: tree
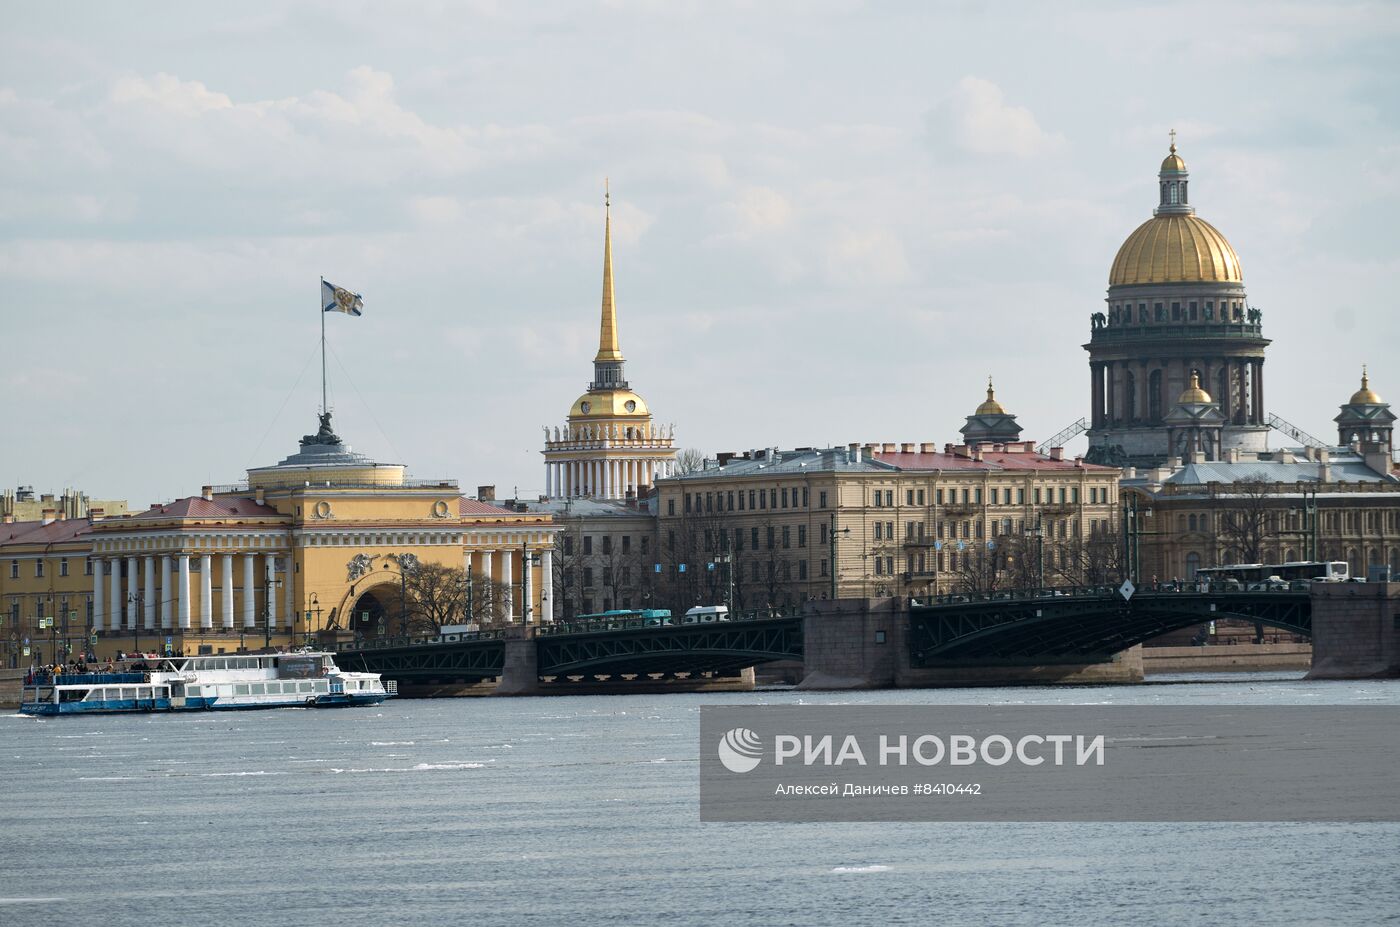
point(434, 595)
point(689, 461)
point(1247, 520)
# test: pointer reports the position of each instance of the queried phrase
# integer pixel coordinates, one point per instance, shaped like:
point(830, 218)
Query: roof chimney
point(1057, 453)
point(46, 516)
point(906, 448)
point(486, 493)
point(927, 447)
point(207, 492)
point(260, 495)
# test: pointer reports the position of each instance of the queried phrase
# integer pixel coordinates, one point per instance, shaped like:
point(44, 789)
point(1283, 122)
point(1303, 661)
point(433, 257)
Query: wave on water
point(875, 868)
point(30, 900)
point(391, 743)
point(225, 775)
point(421, 767)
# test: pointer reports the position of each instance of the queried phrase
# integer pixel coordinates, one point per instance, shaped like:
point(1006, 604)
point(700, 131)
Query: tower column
point(486, 558)
point(133, 592)
point(149, 594)
point(114, 566)
point(289, 596)
point(167, 598)
point(249, 596)
point(206, 591)
point(548, 472)
point(269, 589)
point(508, 603)
point(99, 604)
point(226, 587)
point(1110, 387)
point(184, 590)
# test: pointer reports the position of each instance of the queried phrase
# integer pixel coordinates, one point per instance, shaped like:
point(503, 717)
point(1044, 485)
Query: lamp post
point(527, 560)
point(272, 586)
point(134, 599)
point(1037, 531)
point(831, 538)
point(726, 560)
point(1132, 536)
point(408, 564)
point(306, 638)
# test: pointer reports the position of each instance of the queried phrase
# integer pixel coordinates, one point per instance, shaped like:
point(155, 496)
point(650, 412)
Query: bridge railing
point(596, 625)
point(385, 643)
point(1095, 591)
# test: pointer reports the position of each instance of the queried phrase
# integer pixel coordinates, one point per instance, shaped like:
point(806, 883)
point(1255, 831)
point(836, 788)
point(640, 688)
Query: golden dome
point(1194, 393)
point(607, 404)
point(1173, 162)
point(990, 406)
point(1365, 395)
point(1175, 249)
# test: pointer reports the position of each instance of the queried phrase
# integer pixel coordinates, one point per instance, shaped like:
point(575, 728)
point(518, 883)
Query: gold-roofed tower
point(609, 447)
point(1176, 309)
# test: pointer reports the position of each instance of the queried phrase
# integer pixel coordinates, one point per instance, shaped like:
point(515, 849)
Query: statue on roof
point(325, 434)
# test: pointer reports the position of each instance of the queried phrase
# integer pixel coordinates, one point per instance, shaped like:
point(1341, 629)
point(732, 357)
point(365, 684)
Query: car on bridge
point(706, 614)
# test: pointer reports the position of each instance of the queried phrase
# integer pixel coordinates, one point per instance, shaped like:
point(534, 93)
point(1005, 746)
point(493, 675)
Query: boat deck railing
point(85, 679)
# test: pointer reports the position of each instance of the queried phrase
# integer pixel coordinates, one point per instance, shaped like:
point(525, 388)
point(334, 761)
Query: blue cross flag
point(339, 299)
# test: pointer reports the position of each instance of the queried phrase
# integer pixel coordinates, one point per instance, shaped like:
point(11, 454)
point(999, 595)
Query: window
point(753, 536)
point(921, 497)
point(63, 566)
point(785, 494)
point(823, 567)
point(626, 543)
point(879, 566)
point(821, 534)
point(821, 499)
point(588, 576)
point(687, 502)
point(762, 499)
point(670, 540)
point(977, 495)
point(670, 506)
point(772, 498)
point(787, 536)
point(87, 566)
point(908, 497)
point(709, 502)
point(39, 567)
point(607, 543)
point(877, 497)
point(1074, 495)
point(1020, 497)
point(772, 533)
point(751, 505)
point(879, 530)
point(588, 543)
point(14, 569)
point(889, 530)
point(730, 500)
point(889, 497)
point(806, 497)
point(1176, 312)
point(938, 497)
point(1160, 312)
point(801, 535)
point(802, 569)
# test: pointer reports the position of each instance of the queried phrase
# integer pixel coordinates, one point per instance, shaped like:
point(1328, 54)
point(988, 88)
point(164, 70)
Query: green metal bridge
point(1012, 626)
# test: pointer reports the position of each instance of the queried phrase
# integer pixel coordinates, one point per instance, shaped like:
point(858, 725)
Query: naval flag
point(339, 299)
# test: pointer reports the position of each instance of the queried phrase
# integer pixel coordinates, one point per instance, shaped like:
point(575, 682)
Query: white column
point(547, 585)
point(184, 590)
point(167, 597)
point(149, 594)
point(133, 590)
point(548, 472)
point(486, 574)
point(509, 605)
point(250, 598)
point(115, 588)
point(99, 605)
point(206, 591)
point(525, 589)
point(226, 587)
point(269, 590)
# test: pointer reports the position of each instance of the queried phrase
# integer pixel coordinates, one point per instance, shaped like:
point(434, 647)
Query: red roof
point(467, 506)
point(36, 532)
point(200, 507)
point(991, 460)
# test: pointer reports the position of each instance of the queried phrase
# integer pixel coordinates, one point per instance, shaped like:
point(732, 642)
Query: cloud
point(979, 120)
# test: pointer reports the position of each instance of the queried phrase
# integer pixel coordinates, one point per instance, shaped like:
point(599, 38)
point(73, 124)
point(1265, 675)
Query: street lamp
point(527, 560)
point(408, 565)
point(1037, 531)
point(306, 636)
point(831, 537)
point(725, 559)
point(1132, 536)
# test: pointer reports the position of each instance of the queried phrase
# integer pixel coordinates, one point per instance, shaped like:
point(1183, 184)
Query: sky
point(832, 220)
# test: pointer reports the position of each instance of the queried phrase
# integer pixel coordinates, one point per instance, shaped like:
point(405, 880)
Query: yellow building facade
point(312, 549)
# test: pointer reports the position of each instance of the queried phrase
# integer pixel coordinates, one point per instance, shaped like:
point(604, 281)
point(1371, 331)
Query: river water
point(583, 810)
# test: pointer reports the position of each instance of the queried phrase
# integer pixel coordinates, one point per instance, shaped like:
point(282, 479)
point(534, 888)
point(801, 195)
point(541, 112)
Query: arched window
point(1193, 563)
point(1191, 522)
point(1130, 390)
point(1154, 396)
point(1171, 191)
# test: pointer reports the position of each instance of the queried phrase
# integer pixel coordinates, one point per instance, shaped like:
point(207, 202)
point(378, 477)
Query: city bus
point(617, 617)
point(1256, 576)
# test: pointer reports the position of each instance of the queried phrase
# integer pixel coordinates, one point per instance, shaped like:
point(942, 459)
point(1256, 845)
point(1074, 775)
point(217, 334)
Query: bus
point(1266, 577)
point(618, 617)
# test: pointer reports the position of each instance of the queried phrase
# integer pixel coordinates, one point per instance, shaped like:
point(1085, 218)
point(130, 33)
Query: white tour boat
point(150, 682)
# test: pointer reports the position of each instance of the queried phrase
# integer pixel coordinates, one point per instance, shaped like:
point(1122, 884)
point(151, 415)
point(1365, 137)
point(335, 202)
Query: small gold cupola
point(990, 406)
point(1365, 395)
point(1194, 393)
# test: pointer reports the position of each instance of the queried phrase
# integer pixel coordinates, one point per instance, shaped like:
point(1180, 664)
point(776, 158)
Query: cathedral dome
point(1175, 249)
point(990, 406)
point(1175, 245)
point(609, 404)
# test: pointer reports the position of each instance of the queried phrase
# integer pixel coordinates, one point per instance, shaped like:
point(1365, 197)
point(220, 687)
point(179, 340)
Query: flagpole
point(325, 406)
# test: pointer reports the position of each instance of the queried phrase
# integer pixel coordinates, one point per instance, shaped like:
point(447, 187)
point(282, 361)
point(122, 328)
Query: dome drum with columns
point(1176, 308)
point(608, 448)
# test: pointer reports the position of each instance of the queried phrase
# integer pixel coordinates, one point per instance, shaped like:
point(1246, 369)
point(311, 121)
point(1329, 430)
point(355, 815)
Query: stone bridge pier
point(1356, 630)
point(864, 644)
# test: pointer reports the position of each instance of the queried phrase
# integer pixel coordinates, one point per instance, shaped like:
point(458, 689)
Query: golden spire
point(1365, 395)
point(991, 406)
point(607, 334)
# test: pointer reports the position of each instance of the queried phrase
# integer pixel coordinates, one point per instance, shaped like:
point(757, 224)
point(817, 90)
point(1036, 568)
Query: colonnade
point(1129, 392)
point(486, 566)
point(139, 598)
point(604, 478)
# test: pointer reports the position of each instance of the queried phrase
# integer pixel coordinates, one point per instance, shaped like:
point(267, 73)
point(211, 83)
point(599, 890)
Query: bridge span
point(1081, 634)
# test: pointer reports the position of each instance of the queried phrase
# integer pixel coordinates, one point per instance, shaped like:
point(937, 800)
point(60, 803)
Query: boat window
point(193, 691)
point(162, 692)
point(240, 690)
point(128, 692)
point(307, 686)
point(71, 695)
point(257, 689)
